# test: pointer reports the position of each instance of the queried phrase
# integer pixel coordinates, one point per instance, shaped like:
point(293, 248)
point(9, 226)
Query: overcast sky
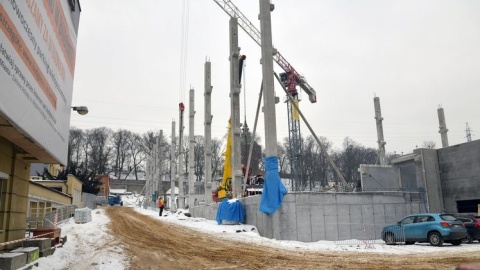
point(413, 55)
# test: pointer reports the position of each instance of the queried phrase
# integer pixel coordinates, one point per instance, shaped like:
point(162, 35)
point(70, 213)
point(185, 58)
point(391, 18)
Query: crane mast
point(291, 78)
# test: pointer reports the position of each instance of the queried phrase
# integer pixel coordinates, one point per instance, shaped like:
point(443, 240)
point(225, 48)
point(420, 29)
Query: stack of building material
point(83, 215)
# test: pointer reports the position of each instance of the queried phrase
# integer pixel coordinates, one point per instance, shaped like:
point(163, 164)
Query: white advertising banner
point(37, 62)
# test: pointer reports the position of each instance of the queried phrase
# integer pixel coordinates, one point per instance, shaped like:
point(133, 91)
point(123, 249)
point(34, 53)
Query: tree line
point(121, 153)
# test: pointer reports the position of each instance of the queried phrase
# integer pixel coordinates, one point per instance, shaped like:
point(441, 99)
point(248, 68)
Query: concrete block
point(288, 221)
point(32, 253)
point(331, 228)
point(343, 212)
point(355, 213)
point(330, 211)
point(287, 198)
point(304, 224)
point(367, 214)
point(42, 243)
point(381, 199)
point(400, 210)
point(390, 214)
point(12, 261)
point(47, 252)
point(318, 223)
point(379, 214)
point(354, 199)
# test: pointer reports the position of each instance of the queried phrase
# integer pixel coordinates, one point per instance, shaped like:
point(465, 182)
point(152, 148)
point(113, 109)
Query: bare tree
point(75, 141)
point(199, 157)
point(137, 152)
point(121, 145)
point(100, 150)
point(217, 158)
point(429, 144)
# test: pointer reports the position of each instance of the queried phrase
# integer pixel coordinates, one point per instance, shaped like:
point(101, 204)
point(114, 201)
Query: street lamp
point(81, 109)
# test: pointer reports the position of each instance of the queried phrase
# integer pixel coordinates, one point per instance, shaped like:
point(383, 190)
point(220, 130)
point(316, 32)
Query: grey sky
point(414, 55)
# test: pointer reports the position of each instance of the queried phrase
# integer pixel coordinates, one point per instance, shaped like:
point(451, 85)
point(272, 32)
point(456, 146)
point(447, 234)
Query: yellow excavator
point(225, 188)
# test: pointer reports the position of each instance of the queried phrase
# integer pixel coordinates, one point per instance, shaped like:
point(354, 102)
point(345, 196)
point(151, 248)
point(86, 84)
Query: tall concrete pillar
point(272, 220)
point(235, 109)
point(160, 163)
point(442, 127)
point(380, 140)
point(173, 172)
point(181, 156)
point(191, 149)
point(208, 132)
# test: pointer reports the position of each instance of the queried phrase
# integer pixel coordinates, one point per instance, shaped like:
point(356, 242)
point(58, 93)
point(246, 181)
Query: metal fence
point(58, 216)
point(368, 235)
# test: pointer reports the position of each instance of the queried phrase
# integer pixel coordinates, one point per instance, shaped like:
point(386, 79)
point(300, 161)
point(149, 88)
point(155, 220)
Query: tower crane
point(290, 78)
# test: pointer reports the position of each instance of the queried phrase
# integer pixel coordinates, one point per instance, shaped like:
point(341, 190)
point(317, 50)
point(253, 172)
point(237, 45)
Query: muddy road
point(153, 244)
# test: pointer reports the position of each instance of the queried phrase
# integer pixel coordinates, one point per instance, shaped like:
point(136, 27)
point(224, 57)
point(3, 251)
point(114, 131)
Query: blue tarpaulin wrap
point(230, 212)
point(273, 188)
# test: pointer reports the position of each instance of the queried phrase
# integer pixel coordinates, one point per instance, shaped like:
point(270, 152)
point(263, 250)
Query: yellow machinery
point(225, 188)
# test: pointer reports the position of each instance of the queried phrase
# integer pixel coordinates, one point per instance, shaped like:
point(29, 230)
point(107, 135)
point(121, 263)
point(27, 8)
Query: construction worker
point(160, 206)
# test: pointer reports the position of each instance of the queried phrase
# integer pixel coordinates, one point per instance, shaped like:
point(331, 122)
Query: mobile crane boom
point(254, 33)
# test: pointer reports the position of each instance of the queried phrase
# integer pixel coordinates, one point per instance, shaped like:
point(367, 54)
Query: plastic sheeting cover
point(273, 188)
point(230, 212)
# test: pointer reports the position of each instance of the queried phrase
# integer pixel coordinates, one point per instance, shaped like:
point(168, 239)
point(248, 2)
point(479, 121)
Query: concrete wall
point(135, 186)
point(375, 177)
point(310, 217)
point(459, 169)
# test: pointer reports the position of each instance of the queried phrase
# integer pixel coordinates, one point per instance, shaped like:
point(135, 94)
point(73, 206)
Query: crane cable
point(184, 49)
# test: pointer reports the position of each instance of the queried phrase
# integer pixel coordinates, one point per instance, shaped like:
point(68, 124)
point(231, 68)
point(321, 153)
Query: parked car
point(472, 224)
point(435, 228)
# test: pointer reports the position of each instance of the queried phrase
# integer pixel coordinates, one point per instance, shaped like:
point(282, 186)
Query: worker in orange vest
point(160, 206)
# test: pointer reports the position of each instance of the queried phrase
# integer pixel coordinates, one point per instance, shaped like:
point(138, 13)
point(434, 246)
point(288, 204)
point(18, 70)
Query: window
point(468, 206)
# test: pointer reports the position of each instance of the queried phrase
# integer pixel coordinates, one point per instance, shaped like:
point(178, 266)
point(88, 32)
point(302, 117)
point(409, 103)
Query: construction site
point(426, 180)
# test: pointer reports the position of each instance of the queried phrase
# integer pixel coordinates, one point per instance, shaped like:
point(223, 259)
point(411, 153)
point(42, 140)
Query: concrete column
point(172, 169)
point(208, 132)
point(160, 163)
point(269, 97)
point(181, 156)
point(191, 149)
point(442, 127)
point(235, 109)
point(380, 140)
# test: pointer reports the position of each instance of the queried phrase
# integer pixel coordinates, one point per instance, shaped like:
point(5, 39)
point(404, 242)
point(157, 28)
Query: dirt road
point(153, 244)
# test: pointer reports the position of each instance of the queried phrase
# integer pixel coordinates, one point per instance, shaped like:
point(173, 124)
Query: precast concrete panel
point(400, 210)
point(325, 199)
point(331, 226)
point(379, 214)
point(304, 223)
point(353, 199)
point(390, 214)
point(318, 223)
point(367, 214)
point(381, 199)
point(355, 213)
point(288, 221)
point(344, 221)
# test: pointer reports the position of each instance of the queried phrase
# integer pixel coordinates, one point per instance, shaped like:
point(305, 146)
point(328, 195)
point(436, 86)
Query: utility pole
point(235, 109)
point(469, 134)
point(181, 156)
point(172, 170)
point(442, 127)
point(191, 149)
point(208, 132)
point(380, 140)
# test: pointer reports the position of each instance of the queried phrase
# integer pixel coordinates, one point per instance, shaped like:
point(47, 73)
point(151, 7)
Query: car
point(115, 200)
point(434, 228)
point(472, 224)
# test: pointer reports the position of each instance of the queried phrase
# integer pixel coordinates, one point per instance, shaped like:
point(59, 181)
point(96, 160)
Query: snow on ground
point(87, 241)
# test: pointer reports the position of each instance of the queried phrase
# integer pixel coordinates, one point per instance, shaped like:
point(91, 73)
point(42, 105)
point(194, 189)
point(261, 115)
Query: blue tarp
point(230, 211)
point(273, 188)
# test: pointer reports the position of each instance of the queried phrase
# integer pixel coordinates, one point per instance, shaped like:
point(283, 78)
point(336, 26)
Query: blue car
point(435, 228)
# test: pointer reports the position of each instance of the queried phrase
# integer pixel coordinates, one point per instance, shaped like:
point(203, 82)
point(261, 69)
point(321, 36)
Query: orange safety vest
point(160, 203)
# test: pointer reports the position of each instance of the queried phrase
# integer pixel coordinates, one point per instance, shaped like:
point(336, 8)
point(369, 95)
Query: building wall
point(310, 217)
point(74, 189)
point(459, 169)
point(13, 192)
